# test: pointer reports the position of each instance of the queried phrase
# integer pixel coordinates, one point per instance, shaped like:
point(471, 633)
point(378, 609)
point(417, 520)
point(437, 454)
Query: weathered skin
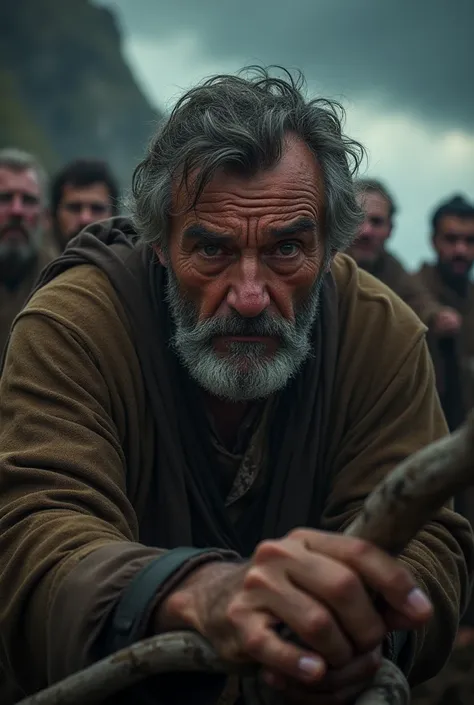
point(392, 515)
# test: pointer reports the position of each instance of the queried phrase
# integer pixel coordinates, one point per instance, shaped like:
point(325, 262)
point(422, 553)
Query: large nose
point(17, 206)
point(86, 216)
point(248, 293)
point(460, 248)
point(365, 228)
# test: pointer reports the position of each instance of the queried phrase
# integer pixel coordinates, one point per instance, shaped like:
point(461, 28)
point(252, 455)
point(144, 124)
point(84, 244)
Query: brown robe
point(454, 365)
point(454, 685)
point(429, 277)
point(12, 301)
point(391, 272)
point(82, 459)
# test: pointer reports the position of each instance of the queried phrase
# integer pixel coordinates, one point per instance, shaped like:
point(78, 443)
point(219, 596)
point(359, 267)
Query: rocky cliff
point(66, 88)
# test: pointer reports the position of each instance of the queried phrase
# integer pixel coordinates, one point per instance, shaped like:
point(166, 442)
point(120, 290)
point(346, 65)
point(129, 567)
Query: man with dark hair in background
point(83, 192)
point(448, 281)
point(22, 224)
point(370, 253)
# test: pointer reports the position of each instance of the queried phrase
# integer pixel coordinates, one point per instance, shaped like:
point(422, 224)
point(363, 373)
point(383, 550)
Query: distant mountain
point(66, 89)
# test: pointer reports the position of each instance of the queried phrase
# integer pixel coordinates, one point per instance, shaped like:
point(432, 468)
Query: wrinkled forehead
point(23, 180)
point(295, 183)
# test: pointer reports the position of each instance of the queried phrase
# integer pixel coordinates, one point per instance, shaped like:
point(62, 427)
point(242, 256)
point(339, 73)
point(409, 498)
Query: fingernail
point(417, 602)
point(311, 666)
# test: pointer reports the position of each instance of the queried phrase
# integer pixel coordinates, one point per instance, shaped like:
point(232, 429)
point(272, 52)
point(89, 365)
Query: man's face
point(245, 272)
point(373, 231)
point(80, 206)
point(21, 222)
point(454, 244)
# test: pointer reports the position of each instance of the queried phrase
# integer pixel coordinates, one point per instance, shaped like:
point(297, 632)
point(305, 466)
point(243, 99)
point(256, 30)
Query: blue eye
point(211, 250)
point(288, 249)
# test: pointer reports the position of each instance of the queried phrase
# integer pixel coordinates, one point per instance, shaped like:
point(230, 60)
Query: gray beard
point(16, 262)
point(246, 372)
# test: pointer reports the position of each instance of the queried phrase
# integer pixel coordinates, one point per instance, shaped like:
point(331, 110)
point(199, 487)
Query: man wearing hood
point(194, 405)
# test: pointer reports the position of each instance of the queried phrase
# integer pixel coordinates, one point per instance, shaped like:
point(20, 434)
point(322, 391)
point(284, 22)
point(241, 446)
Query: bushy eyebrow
point(197, 231)
point(302, 225)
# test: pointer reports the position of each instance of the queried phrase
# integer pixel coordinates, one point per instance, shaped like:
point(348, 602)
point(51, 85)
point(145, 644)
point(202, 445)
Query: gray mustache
point(234, 325)
point(14, 224)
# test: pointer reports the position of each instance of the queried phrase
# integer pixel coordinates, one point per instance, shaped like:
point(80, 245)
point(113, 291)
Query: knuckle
point(360, 549)
point(253, 643)
point(298, 534)
point(271, 550)
point(257, 578)
point(236, 611)
point(344, 587)
point(316, 622)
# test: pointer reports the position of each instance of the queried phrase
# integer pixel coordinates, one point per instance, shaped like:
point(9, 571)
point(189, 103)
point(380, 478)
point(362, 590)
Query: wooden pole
point(394, 512)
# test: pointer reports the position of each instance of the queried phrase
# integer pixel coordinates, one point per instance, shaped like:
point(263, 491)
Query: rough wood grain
point(165, 653)
point(416, 489)
point(391, 516)
point(389, 687)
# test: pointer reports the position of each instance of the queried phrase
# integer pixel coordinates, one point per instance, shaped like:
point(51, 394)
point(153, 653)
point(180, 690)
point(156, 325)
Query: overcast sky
point(402, 68)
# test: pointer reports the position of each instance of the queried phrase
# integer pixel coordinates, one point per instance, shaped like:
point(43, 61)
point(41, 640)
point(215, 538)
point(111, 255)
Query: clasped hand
point(318, 585)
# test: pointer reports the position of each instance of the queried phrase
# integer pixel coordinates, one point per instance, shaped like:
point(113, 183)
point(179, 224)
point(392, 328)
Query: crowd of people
point(442, 294)
point(74, 362)
point(39, 216)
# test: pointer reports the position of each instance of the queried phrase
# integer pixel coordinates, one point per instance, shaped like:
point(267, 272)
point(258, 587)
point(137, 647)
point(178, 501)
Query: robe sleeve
point(412, 291)
point(69, 536)
point(395, 416)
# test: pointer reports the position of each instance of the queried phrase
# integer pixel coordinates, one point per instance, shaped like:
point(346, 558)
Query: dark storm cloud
point(417, 55)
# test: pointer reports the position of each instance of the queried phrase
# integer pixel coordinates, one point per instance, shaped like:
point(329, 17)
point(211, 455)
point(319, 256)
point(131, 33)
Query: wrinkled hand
point(447, 322)
point(317, 584)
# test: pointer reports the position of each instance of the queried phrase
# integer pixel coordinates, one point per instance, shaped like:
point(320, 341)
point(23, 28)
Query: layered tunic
point(107, 457)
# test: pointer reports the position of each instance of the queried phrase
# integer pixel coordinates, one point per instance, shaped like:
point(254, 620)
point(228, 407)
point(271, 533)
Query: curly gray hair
point(239, 122)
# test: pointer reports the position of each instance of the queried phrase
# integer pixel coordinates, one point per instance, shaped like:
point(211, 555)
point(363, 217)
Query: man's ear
point(161, 255)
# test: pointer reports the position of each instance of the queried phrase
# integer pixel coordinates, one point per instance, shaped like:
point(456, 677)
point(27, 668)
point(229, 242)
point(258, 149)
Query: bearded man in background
point(23, 219)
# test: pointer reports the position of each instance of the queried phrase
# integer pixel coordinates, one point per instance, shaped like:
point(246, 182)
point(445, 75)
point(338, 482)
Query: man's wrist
point(181, 608)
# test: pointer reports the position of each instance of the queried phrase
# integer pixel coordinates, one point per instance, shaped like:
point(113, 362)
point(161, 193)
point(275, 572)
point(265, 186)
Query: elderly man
point(22, 224)
point(174, 407)
point(370, 253)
